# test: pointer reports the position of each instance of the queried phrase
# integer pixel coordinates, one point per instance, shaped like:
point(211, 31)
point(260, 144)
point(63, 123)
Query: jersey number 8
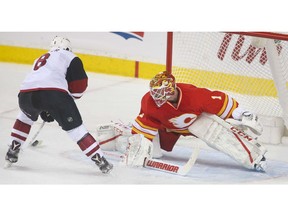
point(41, 61)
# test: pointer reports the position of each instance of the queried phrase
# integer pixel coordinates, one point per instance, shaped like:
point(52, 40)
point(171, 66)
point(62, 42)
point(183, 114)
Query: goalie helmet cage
point(250, 66)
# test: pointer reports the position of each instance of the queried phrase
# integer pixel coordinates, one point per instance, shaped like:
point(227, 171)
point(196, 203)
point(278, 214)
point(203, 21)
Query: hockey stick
point(33, 141)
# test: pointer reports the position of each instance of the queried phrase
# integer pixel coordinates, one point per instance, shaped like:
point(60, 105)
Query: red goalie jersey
point(174, 119)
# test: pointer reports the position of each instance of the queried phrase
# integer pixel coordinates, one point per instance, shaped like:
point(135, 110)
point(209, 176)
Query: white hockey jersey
point(59, 70)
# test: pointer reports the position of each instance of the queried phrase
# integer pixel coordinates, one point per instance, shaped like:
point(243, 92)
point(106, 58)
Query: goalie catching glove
point(117, 136)
point(111, 136)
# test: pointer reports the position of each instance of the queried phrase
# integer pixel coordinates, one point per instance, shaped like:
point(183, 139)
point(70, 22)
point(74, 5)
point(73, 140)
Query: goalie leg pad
point(228, 139)
point(138, 149)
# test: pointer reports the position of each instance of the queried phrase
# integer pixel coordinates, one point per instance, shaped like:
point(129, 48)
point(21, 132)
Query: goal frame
point(273, 61)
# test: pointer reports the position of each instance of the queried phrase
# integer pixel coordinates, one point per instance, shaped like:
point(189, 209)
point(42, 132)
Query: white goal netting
point(254, 70)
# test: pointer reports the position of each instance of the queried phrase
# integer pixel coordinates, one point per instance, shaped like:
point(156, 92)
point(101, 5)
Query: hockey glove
point(46, 116)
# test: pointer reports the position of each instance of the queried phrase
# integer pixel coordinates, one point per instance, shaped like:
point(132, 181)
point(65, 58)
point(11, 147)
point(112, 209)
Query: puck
point(35, 143)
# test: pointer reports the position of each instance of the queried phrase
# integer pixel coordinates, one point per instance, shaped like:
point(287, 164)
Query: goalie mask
point(162, 87)
point(61, 43)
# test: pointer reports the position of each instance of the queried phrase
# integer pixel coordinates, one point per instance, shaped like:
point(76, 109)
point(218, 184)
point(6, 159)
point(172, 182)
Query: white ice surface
point(59, 162)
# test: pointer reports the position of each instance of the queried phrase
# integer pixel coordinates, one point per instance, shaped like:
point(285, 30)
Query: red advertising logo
point(239, 51)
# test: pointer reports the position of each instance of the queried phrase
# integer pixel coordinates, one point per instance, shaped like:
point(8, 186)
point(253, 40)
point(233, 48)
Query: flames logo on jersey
point(183, 121)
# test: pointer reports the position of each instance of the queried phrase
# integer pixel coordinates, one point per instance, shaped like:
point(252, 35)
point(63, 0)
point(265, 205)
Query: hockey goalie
point(170, 110)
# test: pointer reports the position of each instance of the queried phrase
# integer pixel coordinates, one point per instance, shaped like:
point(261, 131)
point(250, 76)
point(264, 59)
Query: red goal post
point(250, 66)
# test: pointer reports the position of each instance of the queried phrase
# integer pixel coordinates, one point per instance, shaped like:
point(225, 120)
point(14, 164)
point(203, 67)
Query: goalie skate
point(261, 166)
point(102, 163)
point(12, 154)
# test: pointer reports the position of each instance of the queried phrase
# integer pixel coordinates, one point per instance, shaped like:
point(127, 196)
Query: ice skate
point(12, 154)
point(102, 163)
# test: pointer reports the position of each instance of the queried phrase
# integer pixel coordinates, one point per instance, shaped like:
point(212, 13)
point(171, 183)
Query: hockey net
point(252, 67)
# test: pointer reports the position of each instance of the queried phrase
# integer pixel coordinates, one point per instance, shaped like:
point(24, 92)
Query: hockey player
point(57, 78)
point(170, 110)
